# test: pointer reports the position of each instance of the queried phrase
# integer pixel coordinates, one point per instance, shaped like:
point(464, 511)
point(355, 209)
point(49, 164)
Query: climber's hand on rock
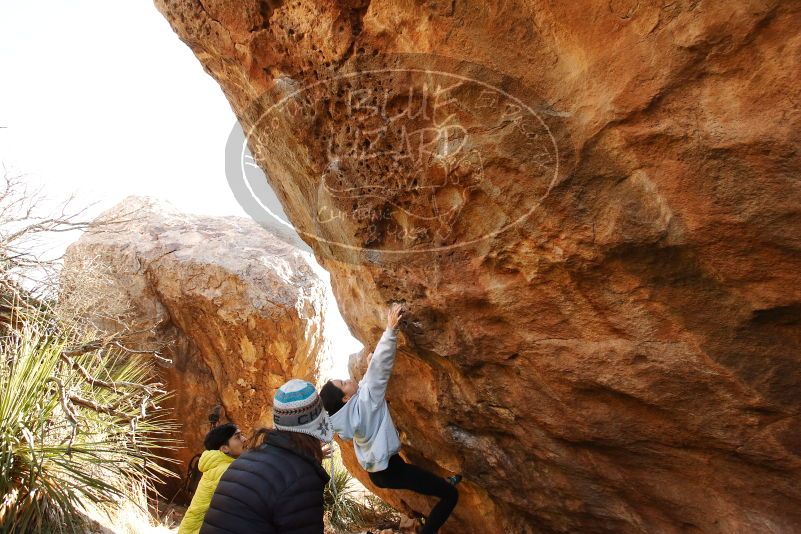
point(394, 315)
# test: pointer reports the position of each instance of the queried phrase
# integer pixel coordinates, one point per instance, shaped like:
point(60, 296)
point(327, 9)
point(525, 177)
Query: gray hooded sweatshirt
point(365, 417)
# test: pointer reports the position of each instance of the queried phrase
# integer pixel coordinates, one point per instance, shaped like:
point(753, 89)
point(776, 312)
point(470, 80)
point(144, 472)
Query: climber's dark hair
point(332, 398)
point(219, 436)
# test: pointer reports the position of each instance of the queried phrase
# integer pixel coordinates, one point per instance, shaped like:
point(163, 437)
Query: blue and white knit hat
point(298, 408)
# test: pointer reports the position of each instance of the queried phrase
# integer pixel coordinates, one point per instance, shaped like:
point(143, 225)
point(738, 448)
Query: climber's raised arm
point(337, 392)
point(383, 357)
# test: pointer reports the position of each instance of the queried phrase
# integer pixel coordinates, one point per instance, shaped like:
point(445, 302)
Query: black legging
point(400, 475)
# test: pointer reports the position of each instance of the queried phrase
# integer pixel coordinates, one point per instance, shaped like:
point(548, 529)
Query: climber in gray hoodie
point(359, 412)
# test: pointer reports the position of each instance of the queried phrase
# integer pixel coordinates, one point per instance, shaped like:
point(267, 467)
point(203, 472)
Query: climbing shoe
point(455, 479)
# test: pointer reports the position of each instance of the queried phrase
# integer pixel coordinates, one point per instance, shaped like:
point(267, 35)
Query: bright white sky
point(101, 98)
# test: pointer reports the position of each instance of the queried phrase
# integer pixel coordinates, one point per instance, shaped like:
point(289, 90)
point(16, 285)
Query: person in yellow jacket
point(223, 445)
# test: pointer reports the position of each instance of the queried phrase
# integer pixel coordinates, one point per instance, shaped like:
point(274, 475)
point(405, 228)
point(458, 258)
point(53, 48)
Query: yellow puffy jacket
point(212, 464)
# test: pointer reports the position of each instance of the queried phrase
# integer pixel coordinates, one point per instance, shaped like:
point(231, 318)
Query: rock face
point(239, 311)
point(591, 210)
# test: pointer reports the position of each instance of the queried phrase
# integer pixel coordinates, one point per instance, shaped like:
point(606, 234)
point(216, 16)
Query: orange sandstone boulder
point(237, 311)
point(591, 210)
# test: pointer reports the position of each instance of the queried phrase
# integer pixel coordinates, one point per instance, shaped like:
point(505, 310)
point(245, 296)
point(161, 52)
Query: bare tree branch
point(115, 339)
point(109, 409)
point(154, 354)
point(23, 220)
point(150, 389)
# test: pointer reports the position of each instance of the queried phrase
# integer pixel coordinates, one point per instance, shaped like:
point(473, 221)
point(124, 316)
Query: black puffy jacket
point(269, 490)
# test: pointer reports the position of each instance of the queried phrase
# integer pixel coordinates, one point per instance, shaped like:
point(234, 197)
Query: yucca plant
point(349, 508)
point(80, 425)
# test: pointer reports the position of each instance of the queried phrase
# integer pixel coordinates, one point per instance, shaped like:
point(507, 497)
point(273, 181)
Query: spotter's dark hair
point(304, 443)
point(219, 436)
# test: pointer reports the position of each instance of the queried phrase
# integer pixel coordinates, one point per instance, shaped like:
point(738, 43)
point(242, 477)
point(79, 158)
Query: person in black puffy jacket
point(277, 487)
